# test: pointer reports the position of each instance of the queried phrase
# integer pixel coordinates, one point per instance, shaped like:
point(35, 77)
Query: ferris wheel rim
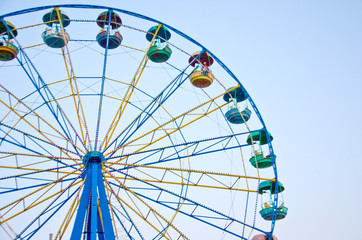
point(174, 30)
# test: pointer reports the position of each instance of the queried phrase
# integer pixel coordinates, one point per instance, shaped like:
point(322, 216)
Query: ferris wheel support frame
point(93, 174)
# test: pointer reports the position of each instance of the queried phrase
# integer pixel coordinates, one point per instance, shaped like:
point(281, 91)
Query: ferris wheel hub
point(93, 157)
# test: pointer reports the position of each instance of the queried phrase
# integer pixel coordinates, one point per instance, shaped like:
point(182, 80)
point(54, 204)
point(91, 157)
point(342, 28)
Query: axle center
point(93, 157)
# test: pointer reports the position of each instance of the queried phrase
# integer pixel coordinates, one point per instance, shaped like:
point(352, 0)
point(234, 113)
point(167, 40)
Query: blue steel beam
point(32, 186)
point(100, 227)
point(40, 85)
point(37, 171)
point(31, 234)
point(93, 191)
point(150, 109)
point(92, 217)
point(32, 151)
point(213, 145)
point(218, 215)
point(125, 214)
point(34, 138)
point(103, 203)
point(37, 217)
point(103, 80)
point(82, 208)
point(176, 31)
point(151, 20)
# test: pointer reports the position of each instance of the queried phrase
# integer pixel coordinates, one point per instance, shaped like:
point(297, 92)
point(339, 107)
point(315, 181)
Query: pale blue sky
point(301, 62)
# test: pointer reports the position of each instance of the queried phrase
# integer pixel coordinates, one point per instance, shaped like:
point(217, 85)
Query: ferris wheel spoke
point(45, 211)
point(137, 122)
point(32, 186)
point(33, 139)
point(103, 80)
point(75, 91)
point(39, 200)
point(47, 157)
point(40, 85)
point(126, 215)
point(38, 117)
point(215, 180)
point(39, 188)
point(68, 217)
point(156, 214)
point(147, 112)
point(183, 150)
point(192, 116)
point(47, 96)
point(208, 212)
point(36, 171)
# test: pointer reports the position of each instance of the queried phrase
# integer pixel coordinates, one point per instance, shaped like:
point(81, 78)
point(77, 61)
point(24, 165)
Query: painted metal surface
point(95, 182)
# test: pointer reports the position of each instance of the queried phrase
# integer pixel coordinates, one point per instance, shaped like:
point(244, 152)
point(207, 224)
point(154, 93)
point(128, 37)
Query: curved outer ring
point(29, 10)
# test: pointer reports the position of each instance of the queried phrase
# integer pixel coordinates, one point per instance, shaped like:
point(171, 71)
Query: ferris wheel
point(117, 126)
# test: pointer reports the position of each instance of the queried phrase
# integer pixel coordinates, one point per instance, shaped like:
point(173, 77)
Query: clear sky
point(301, 61)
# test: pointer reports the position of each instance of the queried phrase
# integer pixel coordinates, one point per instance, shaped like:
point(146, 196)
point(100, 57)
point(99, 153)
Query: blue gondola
point(234, 116)
point(55, 35)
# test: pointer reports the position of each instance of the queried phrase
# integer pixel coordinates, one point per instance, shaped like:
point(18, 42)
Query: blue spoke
point(222, 143)
point(103, 79)
point(37, 171)
point(46, 95)
point(34, 139)
point(125, 214)
point(191, 202)
point(33, 186)
point(148, 111)
point(61, 204)
point(43, 212)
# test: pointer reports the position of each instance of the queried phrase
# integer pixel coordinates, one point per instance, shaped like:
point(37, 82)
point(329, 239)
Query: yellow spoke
point(211, 175)
point(34, 25)
point(192, 171)
point(137, 212)
point(59, 81)
point(41, 156)
point(112, 214)
point(39, 117)
point(187, 184)
point(70, 77)
point(36, 45)
point(201, 115)
point(128, 94)
point(39, 189)
point(133, 48)
point(140, 199)
point(73, 207)
point(36, 204)
point(36, 169)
